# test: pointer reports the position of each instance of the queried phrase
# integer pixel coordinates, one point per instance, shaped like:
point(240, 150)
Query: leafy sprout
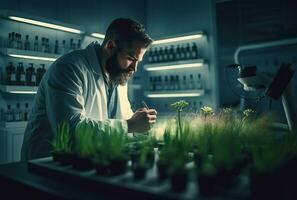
point(84, 138)
point(62, 140)
point(179, 106)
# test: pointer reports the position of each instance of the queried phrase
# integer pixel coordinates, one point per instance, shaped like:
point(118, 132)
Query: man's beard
point(118, 75)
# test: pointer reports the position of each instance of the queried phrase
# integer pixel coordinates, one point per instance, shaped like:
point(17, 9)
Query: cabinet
point(28, 46)
point(177, 67)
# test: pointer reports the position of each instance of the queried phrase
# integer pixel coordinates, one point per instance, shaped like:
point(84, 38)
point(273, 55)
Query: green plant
point(179, 106)
point(248, 114)
point(207, 111)
point(110, 143)
point(84, 139)
point(62, 142)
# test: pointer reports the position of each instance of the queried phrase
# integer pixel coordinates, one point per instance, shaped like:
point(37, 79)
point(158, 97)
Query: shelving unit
point(11, 133)
point(31, 55)
point(183, 73)
point(18, 89)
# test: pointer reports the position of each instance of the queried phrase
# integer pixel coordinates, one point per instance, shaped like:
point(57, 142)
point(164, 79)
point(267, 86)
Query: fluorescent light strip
point(169, 67)
point(32, 57)
point(44, 24)
point(176, 39)
point(23, 92)
point(173, 95)
point(98, 35)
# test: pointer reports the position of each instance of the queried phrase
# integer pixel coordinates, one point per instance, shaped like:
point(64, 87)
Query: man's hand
point(142, 120)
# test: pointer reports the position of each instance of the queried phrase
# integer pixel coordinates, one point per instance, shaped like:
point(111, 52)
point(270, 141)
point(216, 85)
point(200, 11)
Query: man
point(90, 85)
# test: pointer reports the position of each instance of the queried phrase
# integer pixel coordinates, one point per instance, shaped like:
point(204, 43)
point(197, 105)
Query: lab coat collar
point(93, 59)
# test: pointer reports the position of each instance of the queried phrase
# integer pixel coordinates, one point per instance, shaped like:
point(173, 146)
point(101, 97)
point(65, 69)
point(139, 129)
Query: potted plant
point(274, 163)
point(141, 165)
point(110, 150)
point(62, 145)
point(84, 146)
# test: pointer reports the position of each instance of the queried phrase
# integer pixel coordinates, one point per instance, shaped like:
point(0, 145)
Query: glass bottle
point(27, 43)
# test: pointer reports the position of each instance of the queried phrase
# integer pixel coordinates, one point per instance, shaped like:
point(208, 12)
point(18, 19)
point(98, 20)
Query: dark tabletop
point(16, 181)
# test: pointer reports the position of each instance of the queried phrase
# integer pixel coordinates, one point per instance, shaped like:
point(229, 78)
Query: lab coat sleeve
point(65, 100)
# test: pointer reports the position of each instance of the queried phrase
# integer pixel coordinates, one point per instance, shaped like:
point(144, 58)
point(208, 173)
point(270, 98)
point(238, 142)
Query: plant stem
point(179, 124)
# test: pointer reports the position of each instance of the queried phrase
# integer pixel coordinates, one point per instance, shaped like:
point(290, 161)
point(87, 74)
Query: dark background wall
point(93, 15)
point(246, 22)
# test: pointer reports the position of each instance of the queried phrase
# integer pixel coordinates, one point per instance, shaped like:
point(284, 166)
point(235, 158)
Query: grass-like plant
point(84, 139)
point(110, 143)
point(179, 106)
point(62, 142)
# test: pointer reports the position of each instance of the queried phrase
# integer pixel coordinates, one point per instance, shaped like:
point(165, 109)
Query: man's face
point(122, 64)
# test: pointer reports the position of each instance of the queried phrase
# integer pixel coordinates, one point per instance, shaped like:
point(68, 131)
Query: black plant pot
point(135, 156)
point(82, 164)
point(207, 184)
point(118, 166)
point(67, 158)
point(139, 172)
point(102, 168)
point(56, 156)
point(162, 170)
point(198, 160)
point(151, 159)
point(179, 180)
point(225, 178)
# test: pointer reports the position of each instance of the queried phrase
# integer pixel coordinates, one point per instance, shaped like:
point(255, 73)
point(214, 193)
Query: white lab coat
point(72, 90)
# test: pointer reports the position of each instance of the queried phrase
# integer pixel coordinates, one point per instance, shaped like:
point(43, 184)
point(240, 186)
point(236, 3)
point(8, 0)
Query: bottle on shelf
point(30, 75)
point(20, 42)
point(64, 48)
point(191, 83)
point(166, 54)
point(150, 83)
point(36, 45)
point(171, 83)
point(10, 74)
point(39, 74)
point(159, 84)
point(43, 44)
point(188, 52)
point(194, 51)
point(199, 82)
point(9, 114)
point(184, 83)
point(161, 55)
point(20, 75)
point(155, 81)
point(177, 83)
point(171, 56)
point(155, 55)
point(13, 40)
point(177, 52)
point(27, 43)
point(56, 51)
point(166, 83)
point(47, 46)
point(182, 53)
point(150, 56)
point(18, 113)
point(26, 112)
point(78, 44)
point(72, 45)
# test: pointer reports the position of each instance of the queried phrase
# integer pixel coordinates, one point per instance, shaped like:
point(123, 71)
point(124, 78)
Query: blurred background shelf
point(18, 89)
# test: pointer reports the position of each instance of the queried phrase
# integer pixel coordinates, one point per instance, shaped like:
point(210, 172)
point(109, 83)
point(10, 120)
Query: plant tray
point(125, 184)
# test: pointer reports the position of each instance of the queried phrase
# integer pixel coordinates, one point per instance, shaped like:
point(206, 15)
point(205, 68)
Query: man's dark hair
point(124, 30)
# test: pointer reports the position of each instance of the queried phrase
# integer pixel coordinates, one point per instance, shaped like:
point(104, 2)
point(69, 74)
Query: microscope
point(275, 86)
